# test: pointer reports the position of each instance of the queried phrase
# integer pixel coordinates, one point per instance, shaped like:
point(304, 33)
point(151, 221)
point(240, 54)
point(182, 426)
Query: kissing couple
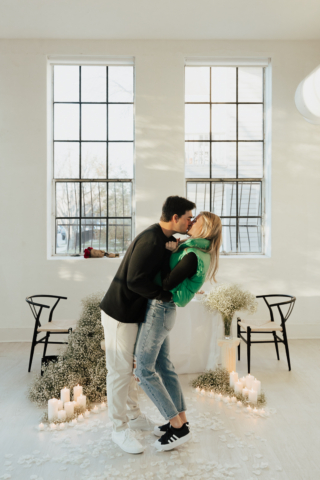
point(157, 273)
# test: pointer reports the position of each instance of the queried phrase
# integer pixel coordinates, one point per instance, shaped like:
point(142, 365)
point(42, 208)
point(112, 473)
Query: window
point(93, 145)
point(224, 150)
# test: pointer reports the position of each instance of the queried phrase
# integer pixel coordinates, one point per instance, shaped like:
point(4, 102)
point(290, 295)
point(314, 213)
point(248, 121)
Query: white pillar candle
point(62, 415)
point(245, 392)
point(69, 408)
point(87, 413)
point(256, 385)
point(81, 401)
point(249, 381)
point(80, 418)
point(243, 381)
point(41, 427)
point(77, 391)
point(233, 399)
point(52, 409)
point(60, 405)
point(233, 378)
point(253, 396)
point(103, 406)
point(65, 395)
point(238, 387)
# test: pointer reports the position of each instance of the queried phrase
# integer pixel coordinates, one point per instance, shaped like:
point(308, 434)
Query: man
point(123, 308)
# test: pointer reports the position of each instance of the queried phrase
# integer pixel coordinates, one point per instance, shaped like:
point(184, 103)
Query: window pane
point(197, 122)
point(94, 199)
point(67, 199)
point(93, 122)
point(199, 193)
point(93, 160)
point(197, 160)
point(224, 199)
point(229, 235)
point(66, 122)
point(120, 160)
point(250, 235)
point(66, 160)
point(224, 122)
point(93, 84)
point(120, 122)
point(66, 83)
point(119, 235)
point(250, 87)
point(250, 158)
point(93, 234)
point(223, 84)
point(197, 84)
point(119, 199)
point(120, 84)
point(250, 119)
point(224, 159)
point(249, 199)
point(67, 237)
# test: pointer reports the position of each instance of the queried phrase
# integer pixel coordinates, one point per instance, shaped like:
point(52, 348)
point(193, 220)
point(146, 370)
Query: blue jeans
point(153, 369)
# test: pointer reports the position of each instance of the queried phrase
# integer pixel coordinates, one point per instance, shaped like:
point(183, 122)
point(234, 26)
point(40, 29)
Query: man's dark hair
point(175, 205)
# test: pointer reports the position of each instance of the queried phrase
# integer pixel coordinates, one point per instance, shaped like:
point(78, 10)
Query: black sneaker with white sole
point(160, 430)
point(174, 437)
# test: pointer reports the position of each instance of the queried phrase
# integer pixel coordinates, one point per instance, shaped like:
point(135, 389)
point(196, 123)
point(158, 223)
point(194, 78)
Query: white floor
point(227, 443)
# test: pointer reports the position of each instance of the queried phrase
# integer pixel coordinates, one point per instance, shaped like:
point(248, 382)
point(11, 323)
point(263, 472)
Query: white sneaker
point(142, 423)
point(127, 441)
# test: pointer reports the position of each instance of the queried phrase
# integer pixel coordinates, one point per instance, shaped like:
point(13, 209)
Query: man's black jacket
point(132, 286)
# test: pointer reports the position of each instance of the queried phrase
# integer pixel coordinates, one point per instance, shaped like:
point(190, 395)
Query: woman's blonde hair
point(212, 230)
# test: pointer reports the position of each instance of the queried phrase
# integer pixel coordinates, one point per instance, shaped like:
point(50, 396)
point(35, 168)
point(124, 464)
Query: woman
point(192, 262)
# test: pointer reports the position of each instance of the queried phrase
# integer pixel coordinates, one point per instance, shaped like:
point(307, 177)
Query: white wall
point(294, 266)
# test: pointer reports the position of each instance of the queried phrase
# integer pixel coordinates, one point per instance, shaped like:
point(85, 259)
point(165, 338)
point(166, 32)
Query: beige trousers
point(122, 393)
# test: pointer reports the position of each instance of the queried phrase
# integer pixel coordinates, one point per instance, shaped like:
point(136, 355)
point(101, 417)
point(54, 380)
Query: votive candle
point(203, 392)
point(211, 394)
point(95, 409)
point(52, 409)
point(239, 404)
point(74, 421)
point(53, 426)
point(65, 395)
point(233, 378)
point(249, 408)
point(61, 427)
point(233, 399)
point(77, 391)
point(198, 390)
point(41, 427)
point(80, 418)
point(87, 413)
point(103, 406)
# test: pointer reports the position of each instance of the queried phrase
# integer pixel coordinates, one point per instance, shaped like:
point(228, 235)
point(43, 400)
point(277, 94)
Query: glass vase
point(227, 321)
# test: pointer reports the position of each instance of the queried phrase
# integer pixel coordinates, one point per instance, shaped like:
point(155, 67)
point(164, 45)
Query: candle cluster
point(249, 386)
point(63, 408)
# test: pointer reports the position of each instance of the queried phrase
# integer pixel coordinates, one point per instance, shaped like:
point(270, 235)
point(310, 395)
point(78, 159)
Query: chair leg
point(238, 335)
point(46, 344)
point(34, 340)
point(276, 344)
point(248, 346)
point(285, 339)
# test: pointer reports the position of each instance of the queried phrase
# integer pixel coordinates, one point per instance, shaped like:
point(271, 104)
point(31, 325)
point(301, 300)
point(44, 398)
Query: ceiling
point(165, 19)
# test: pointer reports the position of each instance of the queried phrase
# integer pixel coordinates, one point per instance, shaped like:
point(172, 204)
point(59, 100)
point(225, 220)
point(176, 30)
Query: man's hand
point(173, 246)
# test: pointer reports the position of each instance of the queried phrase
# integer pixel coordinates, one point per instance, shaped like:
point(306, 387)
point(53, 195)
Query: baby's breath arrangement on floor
point(81, 363)
point(218, 380)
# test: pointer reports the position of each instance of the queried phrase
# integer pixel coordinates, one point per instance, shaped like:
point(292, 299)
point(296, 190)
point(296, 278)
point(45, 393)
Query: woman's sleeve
point(186, 268)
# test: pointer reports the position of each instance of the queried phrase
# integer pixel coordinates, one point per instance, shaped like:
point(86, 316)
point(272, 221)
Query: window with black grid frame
point(93, 157)
point(224, 150)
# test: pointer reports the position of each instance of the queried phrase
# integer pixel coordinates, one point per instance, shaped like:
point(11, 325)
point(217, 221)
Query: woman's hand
point(173, 246)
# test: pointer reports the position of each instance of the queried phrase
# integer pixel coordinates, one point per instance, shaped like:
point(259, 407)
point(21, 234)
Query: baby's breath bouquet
point(228, 299)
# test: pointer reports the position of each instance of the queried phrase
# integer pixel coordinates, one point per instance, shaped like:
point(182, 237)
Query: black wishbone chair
point(269, 327)
point(49, 328)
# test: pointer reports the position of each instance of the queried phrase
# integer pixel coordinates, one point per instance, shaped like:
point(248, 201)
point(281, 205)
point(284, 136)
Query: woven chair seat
point(60, 326)
point(266, 327)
